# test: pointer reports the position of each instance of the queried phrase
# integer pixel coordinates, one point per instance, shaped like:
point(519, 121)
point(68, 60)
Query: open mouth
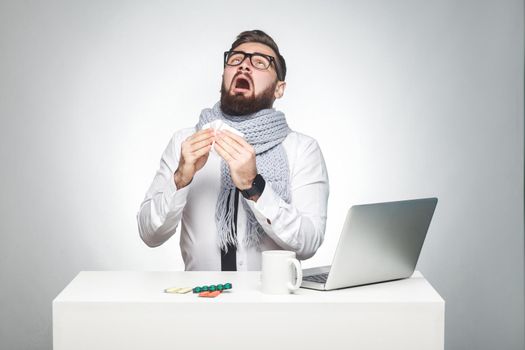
point(241, 84)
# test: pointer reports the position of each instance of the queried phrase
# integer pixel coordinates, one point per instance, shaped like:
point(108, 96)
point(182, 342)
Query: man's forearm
point(180, 181)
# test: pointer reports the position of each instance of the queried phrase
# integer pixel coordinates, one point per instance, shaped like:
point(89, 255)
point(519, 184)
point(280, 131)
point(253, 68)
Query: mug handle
point(298, 273)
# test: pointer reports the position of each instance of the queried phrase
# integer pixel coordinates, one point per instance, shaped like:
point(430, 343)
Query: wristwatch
point(256, 189)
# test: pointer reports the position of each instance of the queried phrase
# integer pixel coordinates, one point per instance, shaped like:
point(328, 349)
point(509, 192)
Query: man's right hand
point(194, 154)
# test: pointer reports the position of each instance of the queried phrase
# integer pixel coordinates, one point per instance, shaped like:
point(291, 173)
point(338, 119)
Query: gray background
point(406, 98)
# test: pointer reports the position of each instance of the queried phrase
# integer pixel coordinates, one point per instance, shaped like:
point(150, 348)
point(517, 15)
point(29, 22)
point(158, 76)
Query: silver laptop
point(380, 242)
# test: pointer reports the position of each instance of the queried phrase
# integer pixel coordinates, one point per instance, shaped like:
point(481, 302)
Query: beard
point(239, 105)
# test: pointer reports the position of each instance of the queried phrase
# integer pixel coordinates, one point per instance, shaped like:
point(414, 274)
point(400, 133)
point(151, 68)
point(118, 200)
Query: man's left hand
point(239, 155)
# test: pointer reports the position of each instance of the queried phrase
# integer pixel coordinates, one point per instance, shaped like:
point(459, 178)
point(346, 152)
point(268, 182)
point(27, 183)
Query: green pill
point(220, 287)
point(204, 288)
point(227, 286)
point(197, 290)
point(213, 288)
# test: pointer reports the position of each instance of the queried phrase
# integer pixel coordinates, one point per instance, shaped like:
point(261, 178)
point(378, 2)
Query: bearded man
point(235, 196)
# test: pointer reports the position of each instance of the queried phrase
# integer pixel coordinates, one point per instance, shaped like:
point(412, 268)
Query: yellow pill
point(184, 290)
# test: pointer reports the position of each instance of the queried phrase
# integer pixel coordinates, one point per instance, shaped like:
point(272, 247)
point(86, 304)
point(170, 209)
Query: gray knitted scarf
point(264, 130)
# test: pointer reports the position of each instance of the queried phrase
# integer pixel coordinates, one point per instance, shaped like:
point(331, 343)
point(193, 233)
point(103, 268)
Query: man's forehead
point(255, 47)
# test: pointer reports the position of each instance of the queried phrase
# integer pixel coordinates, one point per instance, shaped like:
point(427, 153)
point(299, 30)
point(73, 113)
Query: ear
point(279, 89)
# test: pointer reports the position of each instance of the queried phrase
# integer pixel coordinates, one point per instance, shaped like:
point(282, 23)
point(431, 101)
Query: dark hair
point(258, 36)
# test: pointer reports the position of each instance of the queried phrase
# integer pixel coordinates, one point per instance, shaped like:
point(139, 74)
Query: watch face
point(258, 182)
point(257, 187)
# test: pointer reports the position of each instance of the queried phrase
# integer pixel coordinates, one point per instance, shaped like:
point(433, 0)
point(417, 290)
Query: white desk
point(129, 310)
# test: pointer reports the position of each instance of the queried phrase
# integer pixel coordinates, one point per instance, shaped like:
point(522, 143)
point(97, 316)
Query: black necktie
point(229, 259)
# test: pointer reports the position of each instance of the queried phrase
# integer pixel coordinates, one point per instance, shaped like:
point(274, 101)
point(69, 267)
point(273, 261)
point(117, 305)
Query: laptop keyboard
point(321, 278)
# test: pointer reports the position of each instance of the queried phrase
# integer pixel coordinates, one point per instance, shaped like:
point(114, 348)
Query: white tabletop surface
point(148, 287)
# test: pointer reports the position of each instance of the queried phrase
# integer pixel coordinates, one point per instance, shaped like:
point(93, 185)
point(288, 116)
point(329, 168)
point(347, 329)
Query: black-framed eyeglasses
point(258, 60)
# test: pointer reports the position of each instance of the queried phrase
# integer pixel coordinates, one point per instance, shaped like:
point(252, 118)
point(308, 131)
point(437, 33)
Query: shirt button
point(241, 262)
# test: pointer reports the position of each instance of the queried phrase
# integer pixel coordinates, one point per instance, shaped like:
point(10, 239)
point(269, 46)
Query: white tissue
point(219, 125)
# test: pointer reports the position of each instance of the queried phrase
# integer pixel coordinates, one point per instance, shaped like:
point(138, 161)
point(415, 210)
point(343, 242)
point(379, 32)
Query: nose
point(245, 65)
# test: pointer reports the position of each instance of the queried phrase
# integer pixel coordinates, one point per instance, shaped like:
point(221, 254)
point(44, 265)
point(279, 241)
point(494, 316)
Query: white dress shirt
point(298, 226)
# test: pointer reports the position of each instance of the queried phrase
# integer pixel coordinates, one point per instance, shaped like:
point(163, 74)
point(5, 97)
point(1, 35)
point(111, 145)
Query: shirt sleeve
point(161, 210)
point(300, 225)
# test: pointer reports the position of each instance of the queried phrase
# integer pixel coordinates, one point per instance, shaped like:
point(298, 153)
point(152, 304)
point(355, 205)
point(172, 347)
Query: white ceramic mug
point(279, 267)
